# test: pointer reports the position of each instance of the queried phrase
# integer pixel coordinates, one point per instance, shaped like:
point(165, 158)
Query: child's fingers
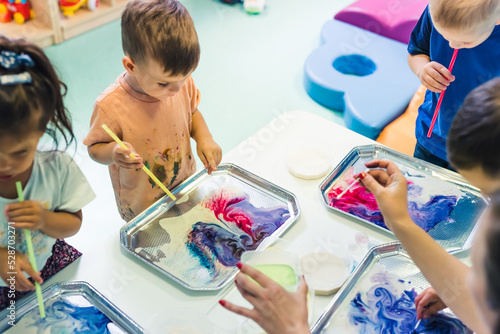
point(203, 160)
point(420, 304)
point(219, 157)
point(28, 224)
point(431, 87)
point(440, 75)
point(446, 74)
point(131, 163)
point(20, 214)
point(211, 161)
point(123, 151)
point(426, 300)
point(23, 284)
point(18, 206)
point(432, 310)
point(432, 84)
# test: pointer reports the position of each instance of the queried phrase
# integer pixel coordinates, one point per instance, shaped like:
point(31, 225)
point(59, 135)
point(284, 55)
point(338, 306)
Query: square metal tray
point(395, 260)
point(68, 289)
point(144, 237)
point(453, 237)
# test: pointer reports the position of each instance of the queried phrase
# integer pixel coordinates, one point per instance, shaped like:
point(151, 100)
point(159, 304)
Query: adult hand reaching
point(276, 310)
point(390, 189)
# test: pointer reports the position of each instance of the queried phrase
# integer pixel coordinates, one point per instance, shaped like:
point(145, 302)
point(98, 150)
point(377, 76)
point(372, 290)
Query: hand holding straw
point(356, 180)
point(31, 254)
point(436, 112)
point(144, 168)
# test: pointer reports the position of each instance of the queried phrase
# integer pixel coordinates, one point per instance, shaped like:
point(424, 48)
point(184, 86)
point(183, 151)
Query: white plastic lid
point(309, 158)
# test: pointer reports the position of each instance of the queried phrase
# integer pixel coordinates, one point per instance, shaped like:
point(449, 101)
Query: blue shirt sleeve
point(421, 35)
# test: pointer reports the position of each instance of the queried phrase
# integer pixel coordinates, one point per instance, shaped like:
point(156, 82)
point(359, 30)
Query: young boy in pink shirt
point(152, 107)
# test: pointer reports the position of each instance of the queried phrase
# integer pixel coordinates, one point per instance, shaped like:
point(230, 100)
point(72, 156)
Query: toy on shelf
point(254, 6)
point(19, 10)
point(69, 7)
point(250, 6)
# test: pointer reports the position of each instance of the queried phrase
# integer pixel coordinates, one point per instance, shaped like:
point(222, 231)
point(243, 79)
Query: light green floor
point(251, 70)
point(251, 66)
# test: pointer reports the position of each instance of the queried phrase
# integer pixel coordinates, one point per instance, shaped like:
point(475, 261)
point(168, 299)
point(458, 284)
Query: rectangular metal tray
point(73, 288)
point(143, 236)
point(395, 260)
point(452, 237)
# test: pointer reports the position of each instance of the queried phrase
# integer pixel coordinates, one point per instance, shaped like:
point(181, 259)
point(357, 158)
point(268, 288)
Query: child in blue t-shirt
point(31, 105)
point(445, 25)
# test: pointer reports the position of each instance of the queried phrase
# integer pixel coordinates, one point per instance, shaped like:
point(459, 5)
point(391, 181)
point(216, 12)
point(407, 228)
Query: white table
point(140, 291)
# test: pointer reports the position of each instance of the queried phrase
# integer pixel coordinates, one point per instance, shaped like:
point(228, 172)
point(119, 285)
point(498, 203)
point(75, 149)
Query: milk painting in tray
point(384, 303)
point(432, 202)
point(68, 314)
point(205, 244)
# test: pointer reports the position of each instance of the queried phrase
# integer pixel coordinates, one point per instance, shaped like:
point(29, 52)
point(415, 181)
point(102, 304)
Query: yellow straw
point(31, 253)
point(144, 168)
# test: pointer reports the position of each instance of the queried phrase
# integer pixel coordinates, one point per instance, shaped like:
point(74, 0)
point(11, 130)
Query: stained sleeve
point(194, 95)
point(96, 133)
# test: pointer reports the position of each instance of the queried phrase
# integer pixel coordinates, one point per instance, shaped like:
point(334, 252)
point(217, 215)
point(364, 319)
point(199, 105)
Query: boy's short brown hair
point(163, 31)
point(464, 14)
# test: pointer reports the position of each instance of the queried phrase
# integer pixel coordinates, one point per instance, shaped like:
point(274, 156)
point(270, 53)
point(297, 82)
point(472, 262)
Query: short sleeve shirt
point(59, 185)
point(159, 131)
point(472, 68)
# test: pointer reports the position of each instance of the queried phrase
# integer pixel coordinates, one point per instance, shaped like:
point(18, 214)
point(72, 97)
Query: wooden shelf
point(85, 19)
point(49, 26)
point(122, 3)
point(32, 30)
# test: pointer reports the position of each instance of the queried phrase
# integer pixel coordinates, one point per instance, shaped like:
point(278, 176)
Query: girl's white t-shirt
point(59, 185)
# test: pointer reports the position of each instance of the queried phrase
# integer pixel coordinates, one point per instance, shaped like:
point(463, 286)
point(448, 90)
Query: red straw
point(450, 68)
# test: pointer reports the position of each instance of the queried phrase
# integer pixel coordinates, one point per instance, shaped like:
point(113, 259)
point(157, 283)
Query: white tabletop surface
point(140, 291)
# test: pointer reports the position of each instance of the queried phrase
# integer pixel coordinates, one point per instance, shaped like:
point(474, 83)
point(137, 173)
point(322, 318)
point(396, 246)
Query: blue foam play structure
point(361, 73)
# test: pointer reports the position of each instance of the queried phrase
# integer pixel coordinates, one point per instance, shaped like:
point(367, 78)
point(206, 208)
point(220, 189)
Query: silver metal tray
point(394, 259)
point(454, 234)
point(67, 290)
point(146, 237)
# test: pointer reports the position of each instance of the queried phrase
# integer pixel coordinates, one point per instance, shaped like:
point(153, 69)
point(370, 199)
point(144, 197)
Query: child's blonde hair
point(464, 14)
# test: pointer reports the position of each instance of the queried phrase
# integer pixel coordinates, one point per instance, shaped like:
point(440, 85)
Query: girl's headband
point(10, 61)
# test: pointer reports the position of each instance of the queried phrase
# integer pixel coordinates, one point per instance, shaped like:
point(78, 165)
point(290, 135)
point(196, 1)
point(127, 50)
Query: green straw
point(27, 234)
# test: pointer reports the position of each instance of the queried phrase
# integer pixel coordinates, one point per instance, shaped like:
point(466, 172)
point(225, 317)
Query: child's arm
point(32, 216)
point(14, 262)
point(209, 152)
point(112, 153)
point(445, 273)
point(434, 76)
